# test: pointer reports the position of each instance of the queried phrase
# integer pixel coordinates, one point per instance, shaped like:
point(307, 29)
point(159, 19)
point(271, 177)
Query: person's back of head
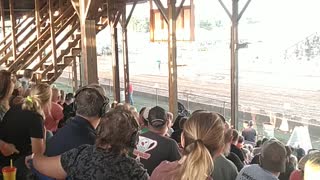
point(312, 167)
point(118, 131)
point(91, 102)
point(235, 136)
point(158, 120)
point(39, 98)
point(258, 143)
point(250, 124)
point(203, 140)
point(69, 98)
point(300, 153)
point(143, 114)
point(264, 140)
point(28, 73)
point(273, 157)
point(227, 141)
point(55, 94)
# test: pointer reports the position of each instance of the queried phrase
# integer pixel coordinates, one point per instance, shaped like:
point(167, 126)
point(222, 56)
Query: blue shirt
point(255, 172)
point(77, 132)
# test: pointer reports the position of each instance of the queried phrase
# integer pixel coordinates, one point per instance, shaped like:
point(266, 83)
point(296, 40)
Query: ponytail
point(203, 138)
point(32, 103)
point(40, 96)
point(198, 162)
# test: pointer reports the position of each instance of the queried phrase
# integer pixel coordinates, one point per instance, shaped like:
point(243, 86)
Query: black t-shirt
point(236, 161)
point(237, 151)
point(152, 149)
point(18, 127)
point(249, 134)
point(91, 163)
point(76, 133)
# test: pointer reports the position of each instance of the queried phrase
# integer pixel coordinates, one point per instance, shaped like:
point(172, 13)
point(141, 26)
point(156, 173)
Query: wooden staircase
point(35, 52)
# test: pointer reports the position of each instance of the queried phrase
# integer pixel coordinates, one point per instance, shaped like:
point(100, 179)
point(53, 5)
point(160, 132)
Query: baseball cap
point(273, 156)
point(157, 117)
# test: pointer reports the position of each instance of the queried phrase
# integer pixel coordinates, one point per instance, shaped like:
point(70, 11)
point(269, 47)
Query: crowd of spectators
point(52, 135)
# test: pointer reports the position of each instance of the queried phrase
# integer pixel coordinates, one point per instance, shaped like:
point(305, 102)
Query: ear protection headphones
point(105, 104)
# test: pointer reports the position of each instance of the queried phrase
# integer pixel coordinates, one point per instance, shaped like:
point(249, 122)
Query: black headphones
point(105, 104)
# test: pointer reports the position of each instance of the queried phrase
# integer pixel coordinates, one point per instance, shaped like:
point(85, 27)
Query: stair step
point(76, 51)
point(46, 81)
point(68, 59)
point(61, 65)
point(50, 74)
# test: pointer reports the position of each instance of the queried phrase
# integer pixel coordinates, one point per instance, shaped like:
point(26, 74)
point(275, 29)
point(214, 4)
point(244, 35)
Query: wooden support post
point(53, 37)
point(115, 63)
point(234, 64)
point(124, 24)
point(234, 47)
point(89, 51)
point(13, 31)
point(172, 61)
point(88, 44)
point(125, 55)
point(75, 74)
point(3, 24)
point(37, 18)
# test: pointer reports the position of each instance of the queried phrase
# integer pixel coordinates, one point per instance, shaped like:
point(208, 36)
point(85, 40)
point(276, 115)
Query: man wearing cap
point(153, 147)
point(272, 163)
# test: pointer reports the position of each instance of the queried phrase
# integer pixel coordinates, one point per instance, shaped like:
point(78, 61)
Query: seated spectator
point(6, 89)
point(16, 97)
point(90, 104)
point(203, 141)
point(312, 167)
point(272, 163)
point(225, 169)
point(24, 127)
point(170, 119)
point(176, 135)
point(55, 113)
point(68, 110)
point(107, 159)
point(300, 153)
point(143, 118)
point(154, 147)
point(234, 148)
point(26, 79)
point(290, 165)
point(257, 148)
point(61, 98)
point(256, 153)
point(249, 133)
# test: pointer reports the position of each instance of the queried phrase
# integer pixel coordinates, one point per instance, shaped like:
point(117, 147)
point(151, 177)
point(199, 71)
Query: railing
point(152, 95)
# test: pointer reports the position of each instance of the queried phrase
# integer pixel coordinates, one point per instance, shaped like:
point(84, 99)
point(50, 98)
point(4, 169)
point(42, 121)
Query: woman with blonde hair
point(23, 126)
point(202, 140)
point(312, 167)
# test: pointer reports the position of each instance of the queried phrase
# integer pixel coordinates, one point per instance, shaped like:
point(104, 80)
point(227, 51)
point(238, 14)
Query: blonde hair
point(312, 167)
point(204, 137)
point(39, 98)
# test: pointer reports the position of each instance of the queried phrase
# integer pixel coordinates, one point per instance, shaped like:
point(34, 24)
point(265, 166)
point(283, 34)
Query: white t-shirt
point(255, 172)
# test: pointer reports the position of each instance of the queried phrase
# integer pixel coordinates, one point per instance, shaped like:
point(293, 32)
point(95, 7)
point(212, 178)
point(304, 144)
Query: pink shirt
point(130, 88)
point(53, 118)
point(296, 175)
